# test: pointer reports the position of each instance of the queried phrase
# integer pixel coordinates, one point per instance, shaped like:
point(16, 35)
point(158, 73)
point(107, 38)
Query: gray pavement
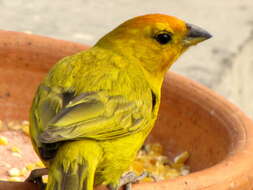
point(224, 63)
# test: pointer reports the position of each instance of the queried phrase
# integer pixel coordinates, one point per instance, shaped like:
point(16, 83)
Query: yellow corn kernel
point(40, 164)
point(23, 172)
point(15, 149)
point(156, 148)
point(14, 172)
point(172, 173)
point(177, 166)
point(181, 158)
point(25, 127)
point(3, 140)
point(138, 167)
point(45, 179)
point(16, 154)
point(30, 167)
point(25, 122)
point(184, 171)
point(16, 179)
point(13, 125)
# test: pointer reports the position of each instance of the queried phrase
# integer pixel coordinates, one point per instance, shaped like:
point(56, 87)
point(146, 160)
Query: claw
point(129, 178)
point(36, 177)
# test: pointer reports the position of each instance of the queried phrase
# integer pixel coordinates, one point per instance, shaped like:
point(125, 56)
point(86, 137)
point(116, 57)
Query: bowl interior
point(187, 119)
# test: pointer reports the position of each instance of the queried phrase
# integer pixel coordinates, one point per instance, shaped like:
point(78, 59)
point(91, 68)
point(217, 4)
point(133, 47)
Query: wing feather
point(94, 115)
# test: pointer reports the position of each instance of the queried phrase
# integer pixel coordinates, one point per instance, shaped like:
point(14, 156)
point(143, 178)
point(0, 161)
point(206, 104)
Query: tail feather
point(73, 168)
point(61, 179)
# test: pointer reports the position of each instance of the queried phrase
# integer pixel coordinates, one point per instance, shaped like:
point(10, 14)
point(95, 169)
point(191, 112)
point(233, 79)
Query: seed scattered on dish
point(3, 140)
point(151, 159)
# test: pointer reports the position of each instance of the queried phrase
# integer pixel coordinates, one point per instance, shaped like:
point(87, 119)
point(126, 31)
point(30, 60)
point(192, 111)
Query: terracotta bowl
point(217, 134)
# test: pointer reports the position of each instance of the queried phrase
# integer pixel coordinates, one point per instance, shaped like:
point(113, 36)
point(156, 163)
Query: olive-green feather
point(94, 115)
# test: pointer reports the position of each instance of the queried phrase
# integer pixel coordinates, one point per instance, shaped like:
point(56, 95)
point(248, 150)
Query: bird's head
point(154, 40)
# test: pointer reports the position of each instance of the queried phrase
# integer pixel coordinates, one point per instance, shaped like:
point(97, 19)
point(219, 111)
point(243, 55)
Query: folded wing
point(93, 115)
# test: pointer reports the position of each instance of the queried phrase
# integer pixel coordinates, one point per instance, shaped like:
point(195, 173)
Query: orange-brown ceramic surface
point(218, 135)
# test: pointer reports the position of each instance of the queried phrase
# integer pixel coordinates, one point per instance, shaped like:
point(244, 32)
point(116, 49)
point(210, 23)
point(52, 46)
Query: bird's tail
point(74, 166)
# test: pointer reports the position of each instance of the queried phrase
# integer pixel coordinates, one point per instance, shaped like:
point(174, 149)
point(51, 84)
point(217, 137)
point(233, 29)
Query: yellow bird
point(93, 111)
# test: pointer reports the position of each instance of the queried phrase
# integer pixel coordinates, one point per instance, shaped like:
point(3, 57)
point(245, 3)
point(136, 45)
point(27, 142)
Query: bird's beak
point(195, 35)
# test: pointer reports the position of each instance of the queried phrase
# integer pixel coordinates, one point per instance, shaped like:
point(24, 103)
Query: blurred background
point(224, 63)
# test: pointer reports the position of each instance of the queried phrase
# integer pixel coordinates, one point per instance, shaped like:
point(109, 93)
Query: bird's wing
point(94, 115)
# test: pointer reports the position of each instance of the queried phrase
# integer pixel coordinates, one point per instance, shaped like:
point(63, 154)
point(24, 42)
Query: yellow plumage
point(93, 111)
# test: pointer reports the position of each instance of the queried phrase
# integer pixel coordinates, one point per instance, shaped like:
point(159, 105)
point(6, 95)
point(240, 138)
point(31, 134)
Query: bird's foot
point(129, 178)
point(36, 177)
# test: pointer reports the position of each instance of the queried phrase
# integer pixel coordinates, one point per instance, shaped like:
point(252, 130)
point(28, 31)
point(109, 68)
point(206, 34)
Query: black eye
point(163, 38)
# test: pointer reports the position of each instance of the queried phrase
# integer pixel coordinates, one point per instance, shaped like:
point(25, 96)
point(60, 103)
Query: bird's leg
point(36, 177)
point(129, 178)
